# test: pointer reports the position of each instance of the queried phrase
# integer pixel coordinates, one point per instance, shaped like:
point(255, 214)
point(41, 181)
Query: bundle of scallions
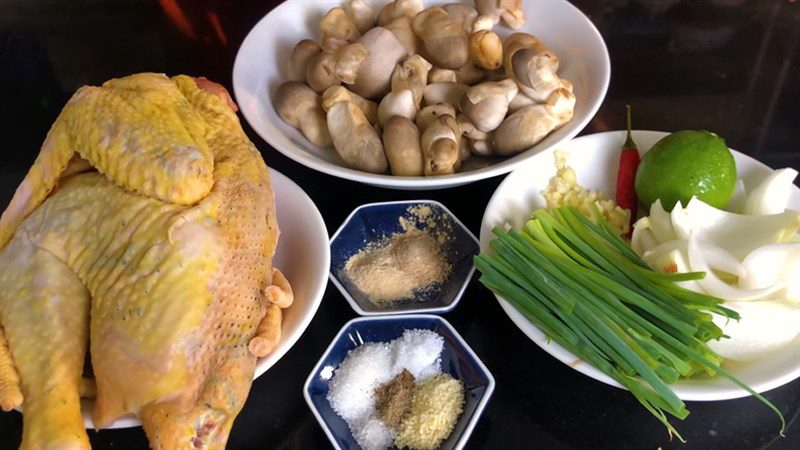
point(578, 281)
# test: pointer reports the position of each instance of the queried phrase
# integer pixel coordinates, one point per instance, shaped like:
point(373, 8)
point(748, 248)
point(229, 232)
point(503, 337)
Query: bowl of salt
point(402, 257)
point(344, 389)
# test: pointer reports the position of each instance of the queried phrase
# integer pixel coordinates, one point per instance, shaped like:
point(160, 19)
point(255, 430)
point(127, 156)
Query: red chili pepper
point(628, 163)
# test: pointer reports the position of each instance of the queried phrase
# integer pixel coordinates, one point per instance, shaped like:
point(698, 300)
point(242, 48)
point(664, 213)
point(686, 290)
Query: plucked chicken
point(144, 234)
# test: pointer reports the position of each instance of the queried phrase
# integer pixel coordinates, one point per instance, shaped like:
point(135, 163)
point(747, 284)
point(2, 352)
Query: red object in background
point(177, 16)
point(626, 176)
point(200, 20)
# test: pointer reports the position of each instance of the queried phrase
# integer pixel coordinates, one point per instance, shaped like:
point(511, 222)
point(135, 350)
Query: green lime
point(685, 164)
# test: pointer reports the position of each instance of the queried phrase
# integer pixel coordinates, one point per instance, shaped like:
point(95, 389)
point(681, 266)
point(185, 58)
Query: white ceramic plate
point(262, 64)
point(303, 256)
point(595, 159)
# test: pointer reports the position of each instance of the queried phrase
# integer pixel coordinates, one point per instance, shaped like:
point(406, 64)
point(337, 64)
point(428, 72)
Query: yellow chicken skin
point(147, 227)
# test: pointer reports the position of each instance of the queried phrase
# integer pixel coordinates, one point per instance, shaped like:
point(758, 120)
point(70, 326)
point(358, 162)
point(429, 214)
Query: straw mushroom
point(528, 60)
point(333, 45)
point(430, 113)
point(520, 41)
point(397, 103)
point(397, 9)
point(402, 30)
point(486, 104)
point(347, 62)
point(362, 15)
point(439, 75)
point(462, 13)
point(485, 46)
point(354, 139)
point(446, 92)
point(301, 107)
point(440, 146)
point(495, 75)
point(534, 74)
point(419, 91)
point(375, 72)
point(411, 73)
point(469, 130)
point(482, 148)
point(445, 42)
point(336, 94)
point(486, 49)
point(520, 101)
point(531, 124)
point(401, 140)
point(338, 62)
point(509, 11)
point(318, 74)
point(471, 134)
point(301, 55)
point(470, 73)
point(482, 22)
point(337, 24)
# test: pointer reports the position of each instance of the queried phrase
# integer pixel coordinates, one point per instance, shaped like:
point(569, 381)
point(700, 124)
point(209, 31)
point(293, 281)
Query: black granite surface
point(731, 66)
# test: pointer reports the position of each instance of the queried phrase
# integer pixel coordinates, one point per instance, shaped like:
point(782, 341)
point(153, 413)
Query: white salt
point(419, 352)
point(351, 392)
point(374, 435)
point(352, 388)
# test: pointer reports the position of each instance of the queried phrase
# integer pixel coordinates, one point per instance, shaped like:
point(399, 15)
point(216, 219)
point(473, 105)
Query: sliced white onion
point(738, 199)
point(667, 259)
point(658, 250)
point(720, 259)
point(680, 223)
point(764, 326)
point(639, 227)
point(672, 260)
point(716, 257)
point(771, 264)
point(661, 223)
point(714, 285)
point(737, 233)
point(646, 240)
point(772, 195)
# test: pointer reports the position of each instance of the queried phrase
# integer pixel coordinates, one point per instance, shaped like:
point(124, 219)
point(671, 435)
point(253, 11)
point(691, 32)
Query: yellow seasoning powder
point(409, 262)
point(436, 405)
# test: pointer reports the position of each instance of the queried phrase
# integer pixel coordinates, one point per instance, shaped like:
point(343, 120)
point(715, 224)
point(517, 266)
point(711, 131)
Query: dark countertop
point(730, 66)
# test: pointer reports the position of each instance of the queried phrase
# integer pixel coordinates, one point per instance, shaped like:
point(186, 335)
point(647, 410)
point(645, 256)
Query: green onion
point(578, 281)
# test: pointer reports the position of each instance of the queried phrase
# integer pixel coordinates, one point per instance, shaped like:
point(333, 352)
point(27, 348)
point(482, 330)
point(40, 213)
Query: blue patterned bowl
point(458, 360)
point(371, 222)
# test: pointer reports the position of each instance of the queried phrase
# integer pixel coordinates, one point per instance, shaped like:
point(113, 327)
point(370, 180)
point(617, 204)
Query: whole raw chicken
point(144, 232)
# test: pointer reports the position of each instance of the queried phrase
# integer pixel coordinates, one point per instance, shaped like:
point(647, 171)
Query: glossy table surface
point(730, 66)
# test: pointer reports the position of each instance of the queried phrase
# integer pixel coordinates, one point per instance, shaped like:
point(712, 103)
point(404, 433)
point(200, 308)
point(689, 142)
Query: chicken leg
point(49, 354)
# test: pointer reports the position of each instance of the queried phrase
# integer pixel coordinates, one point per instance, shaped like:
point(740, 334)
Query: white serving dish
point(302, 255)
point(595, 160)
point(262, 65)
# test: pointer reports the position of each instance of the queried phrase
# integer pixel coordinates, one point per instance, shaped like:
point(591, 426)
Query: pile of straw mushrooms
point(418, 91)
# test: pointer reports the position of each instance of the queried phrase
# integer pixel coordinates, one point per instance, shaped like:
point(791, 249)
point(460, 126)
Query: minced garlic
point(564, 189)
point(436, 405)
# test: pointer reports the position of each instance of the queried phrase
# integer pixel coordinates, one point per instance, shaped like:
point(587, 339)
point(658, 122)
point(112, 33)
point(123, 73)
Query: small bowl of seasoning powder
point(402, 257)
point(398, 382)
